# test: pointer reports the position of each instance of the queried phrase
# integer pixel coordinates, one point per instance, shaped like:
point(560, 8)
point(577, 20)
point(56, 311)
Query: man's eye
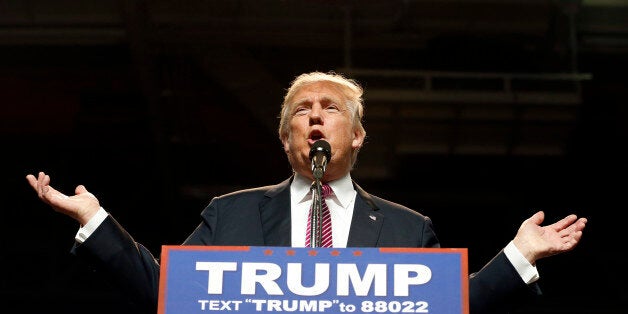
point(299, 111)
point(332, 108)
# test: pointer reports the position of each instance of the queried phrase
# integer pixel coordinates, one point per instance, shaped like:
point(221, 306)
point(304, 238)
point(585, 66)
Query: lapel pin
point(372, 217)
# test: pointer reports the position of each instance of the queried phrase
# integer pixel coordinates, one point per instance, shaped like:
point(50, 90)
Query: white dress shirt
point(340, 207)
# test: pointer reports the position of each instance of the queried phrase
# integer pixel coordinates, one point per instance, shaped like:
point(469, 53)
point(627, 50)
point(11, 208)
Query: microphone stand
point(316, 219)
point(319, 154)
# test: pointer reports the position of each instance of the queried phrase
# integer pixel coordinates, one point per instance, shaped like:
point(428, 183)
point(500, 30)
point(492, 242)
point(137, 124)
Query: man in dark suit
point(317, 106)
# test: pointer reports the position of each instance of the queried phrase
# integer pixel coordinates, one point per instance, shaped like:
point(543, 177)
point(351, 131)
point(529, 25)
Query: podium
point(251, 279)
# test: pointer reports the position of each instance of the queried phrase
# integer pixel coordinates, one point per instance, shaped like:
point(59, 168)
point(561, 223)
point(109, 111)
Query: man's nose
point(316, 113)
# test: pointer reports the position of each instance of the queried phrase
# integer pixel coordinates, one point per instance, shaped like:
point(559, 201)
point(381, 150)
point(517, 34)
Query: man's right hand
point(82, 206)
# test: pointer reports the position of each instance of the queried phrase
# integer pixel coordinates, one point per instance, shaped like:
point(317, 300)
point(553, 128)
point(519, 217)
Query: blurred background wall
point(478, 113)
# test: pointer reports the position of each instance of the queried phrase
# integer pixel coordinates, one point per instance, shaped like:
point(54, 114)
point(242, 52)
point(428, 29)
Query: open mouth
point(315, 135)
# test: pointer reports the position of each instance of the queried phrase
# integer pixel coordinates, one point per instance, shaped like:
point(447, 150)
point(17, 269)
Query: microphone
point(320, 153)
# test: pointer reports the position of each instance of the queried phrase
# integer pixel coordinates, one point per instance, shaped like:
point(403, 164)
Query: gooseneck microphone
point(320, 153)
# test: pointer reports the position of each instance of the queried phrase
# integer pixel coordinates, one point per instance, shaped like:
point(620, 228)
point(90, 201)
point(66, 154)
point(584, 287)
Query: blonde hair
point(351, 90)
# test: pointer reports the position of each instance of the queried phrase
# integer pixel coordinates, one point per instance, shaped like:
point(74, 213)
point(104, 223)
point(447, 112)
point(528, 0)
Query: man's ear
point(358, 138)
point(286, 144)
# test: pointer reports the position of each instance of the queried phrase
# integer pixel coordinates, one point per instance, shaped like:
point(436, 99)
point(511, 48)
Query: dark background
point(478, 113)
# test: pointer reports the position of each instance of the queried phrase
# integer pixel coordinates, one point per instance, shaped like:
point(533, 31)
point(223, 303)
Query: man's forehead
point(319, 91)
point(313, 98)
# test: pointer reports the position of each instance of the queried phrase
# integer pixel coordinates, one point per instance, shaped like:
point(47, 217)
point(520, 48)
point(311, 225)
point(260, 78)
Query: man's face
point(318, 111)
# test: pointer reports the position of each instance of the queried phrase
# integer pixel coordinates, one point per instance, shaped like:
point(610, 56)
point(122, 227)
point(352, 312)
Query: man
point(317, 106)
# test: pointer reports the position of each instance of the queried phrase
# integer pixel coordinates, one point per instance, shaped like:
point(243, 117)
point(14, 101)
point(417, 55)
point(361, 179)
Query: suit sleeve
point(498, 288)
point(429, 238)
point(204, 232)
point(128, 265)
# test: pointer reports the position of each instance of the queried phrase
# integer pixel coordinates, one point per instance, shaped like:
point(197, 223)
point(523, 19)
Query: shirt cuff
point(85, 231)
point(527, 271)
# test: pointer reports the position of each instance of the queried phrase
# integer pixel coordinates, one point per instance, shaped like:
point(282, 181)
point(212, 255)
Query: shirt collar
point(343, 189)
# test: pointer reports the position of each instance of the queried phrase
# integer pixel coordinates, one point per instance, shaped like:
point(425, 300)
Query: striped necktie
point(326, 238)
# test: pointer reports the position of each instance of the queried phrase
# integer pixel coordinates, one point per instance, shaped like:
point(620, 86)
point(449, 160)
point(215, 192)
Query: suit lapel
point(275, 215)
point(366, 223)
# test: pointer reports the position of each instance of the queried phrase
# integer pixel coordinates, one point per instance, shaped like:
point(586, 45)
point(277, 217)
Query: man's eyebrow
point(301, 101)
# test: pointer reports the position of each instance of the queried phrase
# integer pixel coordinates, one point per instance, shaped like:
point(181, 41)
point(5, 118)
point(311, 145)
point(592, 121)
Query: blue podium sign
point(250, 279)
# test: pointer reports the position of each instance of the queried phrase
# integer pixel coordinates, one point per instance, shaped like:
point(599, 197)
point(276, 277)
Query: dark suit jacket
point(261, 217)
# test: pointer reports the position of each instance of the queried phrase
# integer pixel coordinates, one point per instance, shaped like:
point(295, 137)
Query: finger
point(46, 180)
point(577, 227)
point(572, 241)
point(40, 176)
point(537, 218)
point(40, 182)
point(577, 236)
point(45, 184)
point(32, 181)
point(80, 189)
point(564, 223)
point(567, 233)
point(581, 223)
point(40, 179)
point(571, 229)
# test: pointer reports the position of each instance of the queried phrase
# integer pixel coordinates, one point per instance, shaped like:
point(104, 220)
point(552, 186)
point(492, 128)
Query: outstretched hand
point(82, 206)
point(535, 241)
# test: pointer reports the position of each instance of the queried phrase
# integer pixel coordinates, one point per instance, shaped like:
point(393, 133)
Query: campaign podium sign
point(255, 279)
